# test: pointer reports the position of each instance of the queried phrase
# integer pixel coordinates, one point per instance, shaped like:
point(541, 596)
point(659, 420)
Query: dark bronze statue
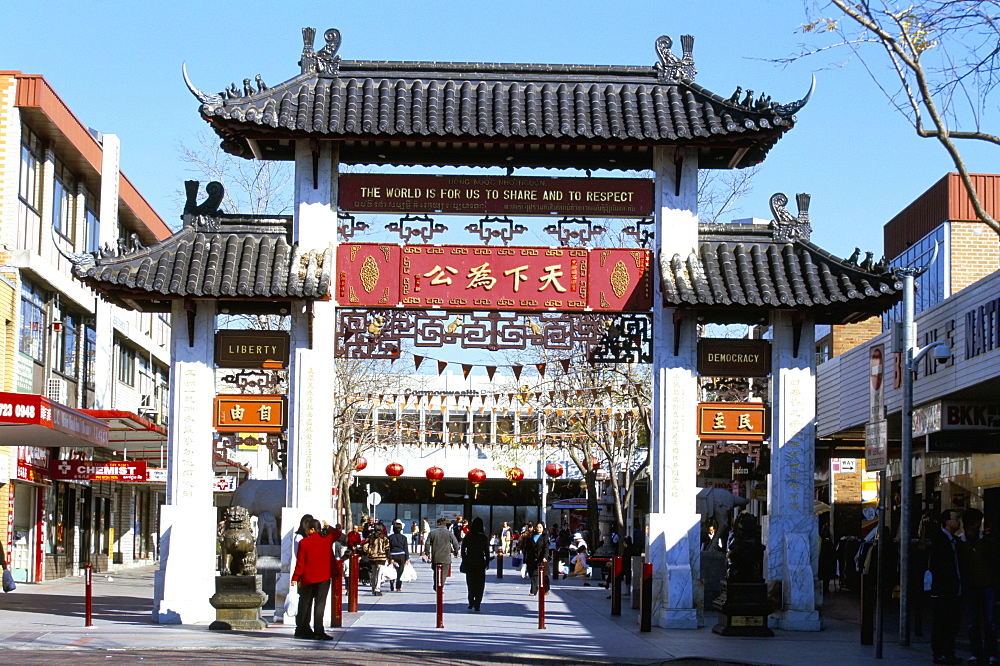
point(239, 553)
point(746, 552)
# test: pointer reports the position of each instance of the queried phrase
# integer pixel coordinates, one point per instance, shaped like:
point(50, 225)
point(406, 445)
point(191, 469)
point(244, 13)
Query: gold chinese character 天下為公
point(265, 412)
point(481, 276)
point(744, 423)
point(719, 422)
point(236, 413)
point(439, 276)
point(550, 278)
point(518, 274)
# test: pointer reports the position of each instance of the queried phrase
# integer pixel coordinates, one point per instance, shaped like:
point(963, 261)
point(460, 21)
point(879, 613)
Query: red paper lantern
point(595, 463)
point(515, 474)
point(434, 474)
point(394, 470)
point(554, 469)
point(476, 476)
point(360, 464)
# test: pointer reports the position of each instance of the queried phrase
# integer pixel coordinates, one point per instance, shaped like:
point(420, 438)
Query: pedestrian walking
point(475, 560)
point(946, 587)
point(376, 549)
point(414, 537)
point(312, 577)
point(398, 555)
point(505, 537)
point(440, 545)
point(535, 548)
point(980, 569)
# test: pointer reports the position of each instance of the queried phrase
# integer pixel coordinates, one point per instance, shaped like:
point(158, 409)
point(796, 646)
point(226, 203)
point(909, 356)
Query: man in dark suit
point(946, 586)
point(475, 559)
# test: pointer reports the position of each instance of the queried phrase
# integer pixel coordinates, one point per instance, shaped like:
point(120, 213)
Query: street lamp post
point(912, 355)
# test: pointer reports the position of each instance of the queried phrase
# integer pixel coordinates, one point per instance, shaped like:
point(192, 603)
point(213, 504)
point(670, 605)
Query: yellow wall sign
point(258, 413)
point(732, 420)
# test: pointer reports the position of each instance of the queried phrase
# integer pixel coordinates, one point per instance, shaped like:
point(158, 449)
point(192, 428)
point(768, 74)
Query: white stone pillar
point(310, 433)
point(185, 580)
point(790, 530)
point(107, 234)
point(673, 543)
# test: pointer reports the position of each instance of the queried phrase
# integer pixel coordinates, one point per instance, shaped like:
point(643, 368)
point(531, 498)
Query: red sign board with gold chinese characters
point(456, 277)
point(495, 195)
point(745, 421)
point(257, 413)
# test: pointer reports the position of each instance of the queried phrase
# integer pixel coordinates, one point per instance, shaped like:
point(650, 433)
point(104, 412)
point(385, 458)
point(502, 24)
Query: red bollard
point(499, 564)
point(542, 588)
point(352, 585)
point(615, 584)
point(439, 578)
point(88, 579)
point(646, 599)
point(337, 601)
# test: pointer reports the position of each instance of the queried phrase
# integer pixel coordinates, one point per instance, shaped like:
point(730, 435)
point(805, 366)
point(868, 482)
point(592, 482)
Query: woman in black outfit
point(398, 553)
point(475, 559)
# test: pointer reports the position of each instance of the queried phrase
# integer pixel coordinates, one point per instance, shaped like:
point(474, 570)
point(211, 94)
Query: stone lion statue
point(746, 552)
point(239, 555)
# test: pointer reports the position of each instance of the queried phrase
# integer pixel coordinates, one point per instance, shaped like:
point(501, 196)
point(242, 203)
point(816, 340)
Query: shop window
point(89, 354)
point(32, 340)
point(63, 195)
point(30, 177)
point(125, 360)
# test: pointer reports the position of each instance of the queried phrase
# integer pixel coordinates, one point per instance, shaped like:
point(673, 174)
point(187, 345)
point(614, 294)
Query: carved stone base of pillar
point(237, 602)
point(793, 620)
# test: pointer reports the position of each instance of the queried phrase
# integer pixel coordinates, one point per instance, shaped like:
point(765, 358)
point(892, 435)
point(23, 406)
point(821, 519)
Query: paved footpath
point(43, 624)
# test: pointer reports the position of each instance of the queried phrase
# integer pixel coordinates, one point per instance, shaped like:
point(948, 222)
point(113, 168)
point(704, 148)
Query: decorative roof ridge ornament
point(789, 228)
point(324, 62)
point(205, 215)
point(82, 261)
point(204, 98)
point(671, 68)
point(786, 110)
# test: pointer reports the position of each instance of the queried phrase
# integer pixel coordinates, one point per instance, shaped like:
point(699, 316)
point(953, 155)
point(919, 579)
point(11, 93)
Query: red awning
point(132, 435)
point(29, 419)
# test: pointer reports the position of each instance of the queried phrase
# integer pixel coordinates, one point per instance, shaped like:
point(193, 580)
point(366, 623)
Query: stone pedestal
point(268, 567)
point(743, 610)
point(237, 602)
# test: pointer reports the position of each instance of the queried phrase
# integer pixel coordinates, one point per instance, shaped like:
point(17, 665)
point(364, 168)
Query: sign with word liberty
point(483, 278)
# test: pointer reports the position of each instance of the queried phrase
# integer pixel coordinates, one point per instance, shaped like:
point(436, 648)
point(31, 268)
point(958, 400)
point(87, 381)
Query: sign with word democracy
point(495, 195)
point(92, 470)
point(722, 357)
point(258, 413)
point(732, 420)
point(476, 278)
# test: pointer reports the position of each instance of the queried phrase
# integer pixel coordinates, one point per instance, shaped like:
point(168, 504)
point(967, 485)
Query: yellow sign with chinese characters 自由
point(259, 413)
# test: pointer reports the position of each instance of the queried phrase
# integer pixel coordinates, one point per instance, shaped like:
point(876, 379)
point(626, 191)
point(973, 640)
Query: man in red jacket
point(312, 574)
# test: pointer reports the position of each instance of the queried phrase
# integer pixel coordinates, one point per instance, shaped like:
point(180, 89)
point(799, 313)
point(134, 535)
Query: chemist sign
point(91, 470)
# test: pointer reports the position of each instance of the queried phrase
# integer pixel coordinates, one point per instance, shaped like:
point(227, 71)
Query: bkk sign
point(257, 413)
point(495, 195)
point(732, 420)
point(719, 357)
point(483, 278)
point(91, 470)
point(251, 349)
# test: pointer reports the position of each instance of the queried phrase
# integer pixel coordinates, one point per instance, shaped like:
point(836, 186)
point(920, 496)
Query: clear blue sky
point(117, 65)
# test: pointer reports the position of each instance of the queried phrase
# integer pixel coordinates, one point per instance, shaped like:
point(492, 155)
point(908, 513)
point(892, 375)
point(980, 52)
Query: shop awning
point(131, 435)
point(29, 419)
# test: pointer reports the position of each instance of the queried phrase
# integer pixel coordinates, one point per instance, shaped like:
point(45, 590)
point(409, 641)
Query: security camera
point(942, 354)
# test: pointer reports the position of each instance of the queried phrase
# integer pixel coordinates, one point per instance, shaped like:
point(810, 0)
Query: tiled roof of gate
point(740, 267)
point(230, 257)
point(620, 110)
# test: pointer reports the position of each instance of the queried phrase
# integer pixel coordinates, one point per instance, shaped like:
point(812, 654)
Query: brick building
point(82, 382)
